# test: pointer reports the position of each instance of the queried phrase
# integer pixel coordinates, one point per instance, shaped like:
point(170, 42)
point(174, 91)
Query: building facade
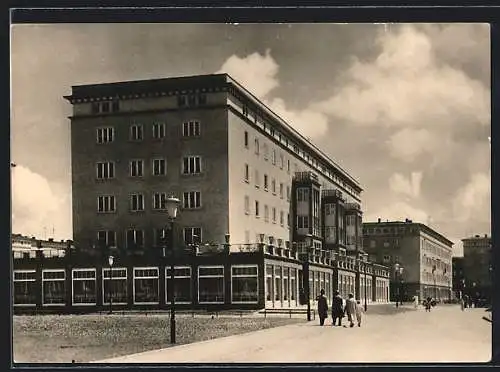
point(477, 267)
point(247, 182)
point(458, 282)
point(423, 253)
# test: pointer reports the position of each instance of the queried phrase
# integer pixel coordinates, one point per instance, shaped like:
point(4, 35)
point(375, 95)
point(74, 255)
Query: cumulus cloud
point(258, 73)
point(407, 186)
point(473, 200)
point(37, 209)
point(398, 211)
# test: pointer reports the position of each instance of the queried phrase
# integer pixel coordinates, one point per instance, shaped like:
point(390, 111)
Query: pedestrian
point(462, 304)
point(350, 309)
point(466, 301)
point(415, 301)
point(359, 313)
point(322, 307)
point(337, 309)
point(428, 304)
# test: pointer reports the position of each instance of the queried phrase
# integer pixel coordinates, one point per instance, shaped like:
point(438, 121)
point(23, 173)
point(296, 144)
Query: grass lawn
point(83, 338)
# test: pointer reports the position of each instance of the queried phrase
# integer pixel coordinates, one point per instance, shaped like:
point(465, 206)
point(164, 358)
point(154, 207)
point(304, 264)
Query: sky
point(405, 108)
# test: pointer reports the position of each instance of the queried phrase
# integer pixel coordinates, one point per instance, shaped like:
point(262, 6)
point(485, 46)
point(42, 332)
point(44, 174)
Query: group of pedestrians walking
point(351, 308)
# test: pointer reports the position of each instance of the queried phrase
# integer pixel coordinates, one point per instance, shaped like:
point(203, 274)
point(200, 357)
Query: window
point(182, 290)
point(257, 148)
point(25, 288)
point(266, 151)
point(211, 284)
point(274, 214)
point(247, 173)
point(192, 199)
point(277, 284)
point(269, 283)
point(84, 287)
point(266, 185)
point(107, 238)
point(302, 194)
point(191, 165)
point(105, 135)
point(288, 193)
point(282, 218)
point(246, 139)
point(281, 190)
point(145, 287)
point(137, 202)
point(191, 128)
point(159, 200)
point(105, 107)
point(282, 161)
point(181, 101)
point(247, 205)
point(192, 235)
point(288, 165)
point(245, 110)
point(387, 258)
point(158, 130)
point(106, 204)
point(53, 287)
point(136, 168)
point(302, 222)
point(136, 132)
point(257, 179)
point(135, 238)
point(159, 167)
point(273, 186)
point(114, 286)
point(257, 209)
point(105, 170)
point(273, 157)
point(244, 284)
point(266, 213)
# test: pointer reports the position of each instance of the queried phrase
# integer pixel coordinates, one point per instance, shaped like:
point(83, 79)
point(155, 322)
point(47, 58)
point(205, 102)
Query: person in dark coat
point(322, 307)
point(337, 309)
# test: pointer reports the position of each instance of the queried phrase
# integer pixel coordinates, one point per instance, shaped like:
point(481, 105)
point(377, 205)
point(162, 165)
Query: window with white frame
point(137, 202)
point(106, 204)
point(191, 165)
point(107, 238)
point(246, 176)
point(135, 238)
point(244, 284)
point(159, 130)
point(146, 290)
point(192, 235)
point(182, 283)
point(25, 288)
point(211, 284)
point(159, 167)
point(105, 135)
point(136, 132)
point(136, 168)
point(302, 222)
point(191, 128)
point(266, 213)
point(105, 170)
point(247, 204)
point(84, 287)
point(159, 200)
point(114, 286)
point(53, 287)
point(191, 200)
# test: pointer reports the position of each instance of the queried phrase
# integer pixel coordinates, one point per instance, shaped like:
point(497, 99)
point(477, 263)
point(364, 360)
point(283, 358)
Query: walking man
point(359, 312)
point(350, 309)
point(337, 310)
point(322, 307)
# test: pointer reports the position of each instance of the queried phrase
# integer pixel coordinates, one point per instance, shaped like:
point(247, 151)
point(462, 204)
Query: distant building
point(424, 254)
point(477, 266)
point(458, 276)
point(24, 246)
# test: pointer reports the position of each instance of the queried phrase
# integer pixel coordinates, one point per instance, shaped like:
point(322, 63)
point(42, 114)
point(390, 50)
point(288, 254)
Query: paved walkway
point(444, 335)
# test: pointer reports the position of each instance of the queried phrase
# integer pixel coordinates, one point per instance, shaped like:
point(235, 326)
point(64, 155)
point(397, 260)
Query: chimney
point(379, 220)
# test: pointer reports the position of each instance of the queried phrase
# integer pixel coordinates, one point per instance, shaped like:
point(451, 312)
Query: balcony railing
point(305, 176)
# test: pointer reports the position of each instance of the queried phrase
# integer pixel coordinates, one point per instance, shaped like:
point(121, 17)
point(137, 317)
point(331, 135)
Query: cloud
point(258, 73)
point(473, 200)
point(407, 186)
point(397, 211)
point(409, 143)
point(36, 207)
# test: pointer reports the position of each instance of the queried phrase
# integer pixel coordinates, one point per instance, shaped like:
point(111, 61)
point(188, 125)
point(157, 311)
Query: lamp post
point(110, 262)
point(308, 242)
point(366, 282)
point(172, 205)
point(434, 280)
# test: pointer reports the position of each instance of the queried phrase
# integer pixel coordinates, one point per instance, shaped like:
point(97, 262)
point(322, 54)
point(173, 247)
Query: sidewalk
point(446, 334)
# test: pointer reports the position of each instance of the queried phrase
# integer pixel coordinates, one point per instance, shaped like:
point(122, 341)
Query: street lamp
point(172, 204)
point(366, 284)
point(110, 262)
point(308, 242)
point(434, 279)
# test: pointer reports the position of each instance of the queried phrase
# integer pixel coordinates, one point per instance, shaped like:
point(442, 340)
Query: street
point(446, 335)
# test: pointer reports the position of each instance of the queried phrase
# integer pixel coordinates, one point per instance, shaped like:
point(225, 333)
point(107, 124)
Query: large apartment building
point(288, 216)
point(424, 254)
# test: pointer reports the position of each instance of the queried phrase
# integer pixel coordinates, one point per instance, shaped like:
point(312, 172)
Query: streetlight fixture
point(110, 262)
point(172, 205)
point(308, 244)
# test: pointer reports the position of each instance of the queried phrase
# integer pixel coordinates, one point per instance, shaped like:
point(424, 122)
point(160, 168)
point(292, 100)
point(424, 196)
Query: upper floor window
point(257, 211)
point(136, 168)
point(273, 186)
point(247, 173)
point(273, 157)
point(192, 100)
point(105, 170)
point(302, 222)
point(107, 238)
point(247, 204)
point(266, 182)
point(191, 128)
point(245, 110)
point(282, 161)
point(160, 200)
point(192, 200)
point(137, 202)
point(281, 190)
point(282, 218)
point(135, 238)
point(257, 178)
point(246, 139)
point(159, 130)
point(257, 147)
point(302, 194)
point(191, 165)
point(105, 107)
point(288, 193)
point(266, 213)
point(105, 135)
point(274, 214)
point(159, 167)
point(192, 235)
point(136, 132)
point(266, 151)
point(106, 204)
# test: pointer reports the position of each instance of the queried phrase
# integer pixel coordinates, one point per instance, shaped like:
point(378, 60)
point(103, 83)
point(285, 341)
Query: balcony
point(331, 193)
point(305, 176)
point(352, 206)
